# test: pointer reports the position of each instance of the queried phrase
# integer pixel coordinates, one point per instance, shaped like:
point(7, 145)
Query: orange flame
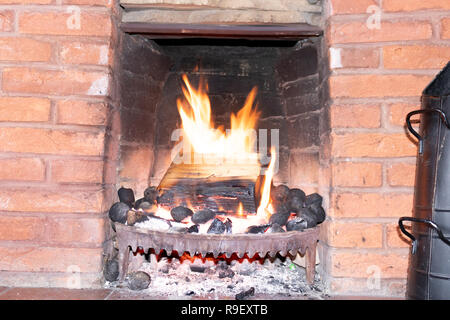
point(240, 211)
point(237, 143)
point(265, 209)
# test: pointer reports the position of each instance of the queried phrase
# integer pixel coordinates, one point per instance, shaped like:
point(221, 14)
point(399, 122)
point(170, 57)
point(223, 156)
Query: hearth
point(233, 111)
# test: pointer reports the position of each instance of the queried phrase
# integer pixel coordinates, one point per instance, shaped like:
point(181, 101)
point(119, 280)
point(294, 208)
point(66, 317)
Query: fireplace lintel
point(288, 31)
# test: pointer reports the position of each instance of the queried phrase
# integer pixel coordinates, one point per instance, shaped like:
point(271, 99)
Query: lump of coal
point(203, 216)
point(297, 224)
point(295, 199)
point(228, 226)
point(279, 193)
point(126, 196)
point(257, 229)
point(197, 268)
point(275, 228)
point(245, 294)
point(309, 216)
point(313, 199)
point(151, 195)
point(166, 197)
point(179, 213)
point(111, 270)
point(227, 273)
point(193, 229)
point(135, 217)
point(280, 207)
point(138, 280)
point(118, 212)
point(144, 205)
point(138, 203)
point(279, 218)
point(217, 227)
point(320, 213)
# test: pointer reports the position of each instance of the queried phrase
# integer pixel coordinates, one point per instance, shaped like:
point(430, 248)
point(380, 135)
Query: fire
point(240, 211)
point(205, 139)
point(239, 143)
point(265, 209)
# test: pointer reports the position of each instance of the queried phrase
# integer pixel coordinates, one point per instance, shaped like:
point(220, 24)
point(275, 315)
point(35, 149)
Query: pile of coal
point(307, 210)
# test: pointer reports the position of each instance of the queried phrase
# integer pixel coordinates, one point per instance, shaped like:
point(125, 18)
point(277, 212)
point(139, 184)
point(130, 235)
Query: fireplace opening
point(282, 82)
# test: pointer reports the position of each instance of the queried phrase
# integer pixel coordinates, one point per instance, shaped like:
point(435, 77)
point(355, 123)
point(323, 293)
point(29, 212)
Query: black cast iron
point(429, 263)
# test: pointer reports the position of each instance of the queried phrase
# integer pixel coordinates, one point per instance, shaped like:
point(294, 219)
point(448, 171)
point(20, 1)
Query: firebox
point(255, 90)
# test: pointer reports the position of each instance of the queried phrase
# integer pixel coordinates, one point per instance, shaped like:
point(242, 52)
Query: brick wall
point(55, 81)
point(378, 74)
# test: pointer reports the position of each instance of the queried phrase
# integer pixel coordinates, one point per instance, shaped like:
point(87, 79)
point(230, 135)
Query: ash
point(274, 278)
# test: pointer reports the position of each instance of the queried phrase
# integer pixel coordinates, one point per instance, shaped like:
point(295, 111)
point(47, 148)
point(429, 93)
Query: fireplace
point(80, 117)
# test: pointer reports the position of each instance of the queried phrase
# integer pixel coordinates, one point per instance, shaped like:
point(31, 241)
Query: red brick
point(401, 174)
point(40, 200)
point(351, 6)
point(398, 112)
point(445, 28)
point(77, 171)
point(22, 169)
point(84, 53)
point(26, 1)
point(355, 235)
point(359, 57)
point(102, 3)
point(384, 145)
point(357, 31)
point(359, 265)
point(355, 116)
point(351, 205)
point(414, 5)
point(416, 57)
point(48, 259)
point(51, 141)
point(351, 174)
point(6, 20)
point(20, 228)
point(395, 238)
point(374, 85)
point(24, 49)
point(62, 23)
point(136, 162)
point(81, 112)
point(24, 109)
point(70, 230)
point(67, 82)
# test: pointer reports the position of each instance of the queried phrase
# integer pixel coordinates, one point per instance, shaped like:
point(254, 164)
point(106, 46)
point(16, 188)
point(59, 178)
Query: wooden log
point(218, 187)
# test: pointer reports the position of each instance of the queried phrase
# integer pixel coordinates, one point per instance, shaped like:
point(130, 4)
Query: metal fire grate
point(291, 242)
